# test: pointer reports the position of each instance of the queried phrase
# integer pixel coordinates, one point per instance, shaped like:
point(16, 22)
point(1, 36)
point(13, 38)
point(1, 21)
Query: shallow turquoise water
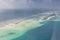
point(41, 33)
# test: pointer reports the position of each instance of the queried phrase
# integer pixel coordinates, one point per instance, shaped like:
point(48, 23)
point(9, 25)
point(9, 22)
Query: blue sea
point(49, 31)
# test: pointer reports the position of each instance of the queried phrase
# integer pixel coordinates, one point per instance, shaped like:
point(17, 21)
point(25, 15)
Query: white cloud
point(5, 5)
point(11, 4)
point(22, 4)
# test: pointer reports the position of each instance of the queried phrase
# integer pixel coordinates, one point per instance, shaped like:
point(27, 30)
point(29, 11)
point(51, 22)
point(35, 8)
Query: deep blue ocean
point(18, 13)
point(49, 31)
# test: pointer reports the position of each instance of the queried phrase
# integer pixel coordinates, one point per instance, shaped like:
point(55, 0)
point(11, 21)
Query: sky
point(24, 4)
